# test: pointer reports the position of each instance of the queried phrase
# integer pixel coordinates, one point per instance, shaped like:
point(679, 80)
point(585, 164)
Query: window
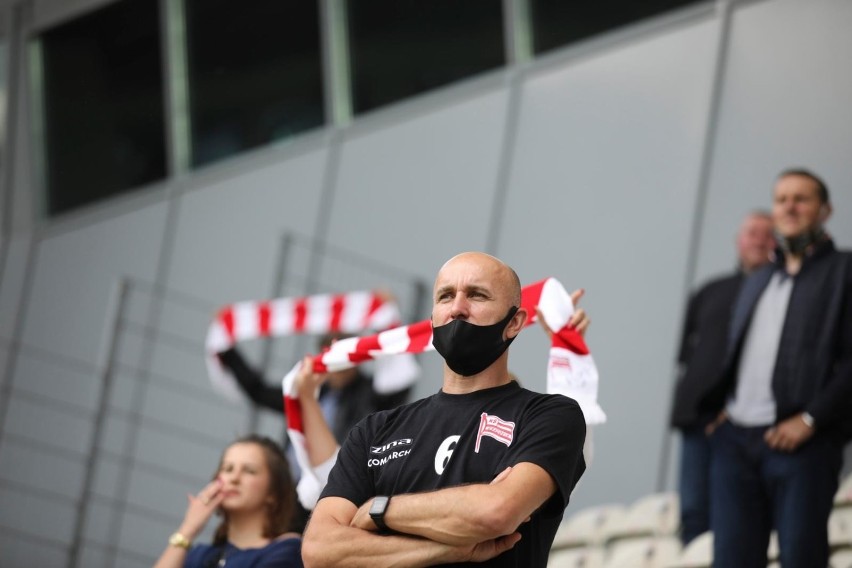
point(404, 47)
point(560, 22)
point(255, 73)
point(103, 104)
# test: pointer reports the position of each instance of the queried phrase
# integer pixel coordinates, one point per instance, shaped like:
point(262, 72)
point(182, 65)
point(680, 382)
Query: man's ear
point(824, 212)
point(517, 323)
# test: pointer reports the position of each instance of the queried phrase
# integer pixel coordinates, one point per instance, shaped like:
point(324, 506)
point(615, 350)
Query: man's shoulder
point(383, 416)
point(719, 282)
point(548, 402)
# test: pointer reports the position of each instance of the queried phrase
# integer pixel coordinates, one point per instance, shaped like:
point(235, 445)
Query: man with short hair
point(480, 472)
point(786, 395)
point(702, 350)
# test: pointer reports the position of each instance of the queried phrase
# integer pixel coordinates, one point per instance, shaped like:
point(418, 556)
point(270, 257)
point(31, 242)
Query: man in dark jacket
point(702, 350)
point(786, 391)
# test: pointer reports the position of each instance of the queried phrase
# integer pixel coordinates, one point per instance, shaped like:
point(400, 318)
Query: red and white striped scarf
point(352, 313)
point(571, 369)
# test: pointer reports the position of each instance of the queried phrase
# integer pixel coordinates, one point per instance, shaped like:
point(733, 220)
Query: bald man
point(478, 473)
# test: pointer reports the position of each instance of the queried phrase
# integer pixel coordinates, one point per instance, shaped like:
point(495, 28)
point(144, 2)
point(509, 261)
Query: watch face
point(379, 505)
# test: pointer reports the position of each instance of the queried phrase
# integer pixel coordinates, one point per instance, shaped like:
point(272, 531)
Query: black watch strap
point(377, 512)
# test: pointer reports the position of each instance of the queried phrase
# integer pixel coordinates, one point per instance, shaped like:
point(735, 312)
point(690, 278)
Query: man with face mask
point(478, 473)
point(786, 393)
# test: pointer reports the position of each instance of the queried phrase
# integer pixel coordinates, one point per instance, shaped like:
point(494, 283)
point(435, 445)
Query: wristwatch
point(179, 541)
point(377, 512)
point(808, 419)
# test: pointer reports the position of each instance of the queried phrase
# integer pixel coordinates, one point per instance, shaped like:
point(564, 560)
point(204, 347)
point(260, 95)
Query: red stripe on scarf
point(419, 335)
point(264, 313)
point(570, 339)
point(301, 310)
point(226, 316)
point(375, 304)
point(293, 412)
point(530, 298)
point(365, 344)
point(337, 304)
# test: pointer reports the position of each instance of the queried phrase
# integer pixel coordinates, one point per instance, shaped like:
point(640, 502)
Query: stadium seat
point(843, 497)
point(643, 552)
point(582, 557)
point(841, 558)
point(657, 514)
point(840, 528)
point(697, 554)
point(588, 527)
point(772, 551)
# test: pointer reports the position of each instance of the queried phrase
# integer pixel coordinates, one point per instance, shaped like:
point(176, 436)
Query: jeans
point(756, 489)
point(694, 484)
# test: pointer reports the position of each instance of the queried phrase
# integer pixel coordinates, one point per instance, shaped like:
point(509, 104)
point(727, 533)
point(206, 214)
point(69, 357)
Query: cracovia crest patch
point(495, 427)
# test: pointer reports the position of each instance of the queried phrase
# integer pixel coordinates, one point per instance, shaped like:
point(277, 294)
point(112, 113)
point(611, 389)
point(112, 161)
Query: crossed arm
point(465, 523)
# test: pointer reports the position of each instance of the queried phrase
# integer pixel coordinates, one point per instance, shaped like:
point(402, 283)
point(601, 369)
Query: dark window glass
point(404, 47)
point(255, 73)
point(560, 22)
point(103, 104)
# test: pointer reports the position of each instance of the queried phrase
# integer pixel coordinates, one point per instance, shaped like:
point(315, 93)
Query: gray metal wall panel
point(228, 233)
point(418, 190)
point(59, 427)
point(42, 516)
point(602, 196)
point(40, 471)
point(75, 273)
point(56, 379)
point(21, 552)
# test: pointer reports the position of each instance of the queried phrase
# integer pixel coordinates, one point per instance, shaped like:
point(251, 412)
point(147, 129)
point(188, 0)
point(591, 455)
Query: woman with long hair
point(253, 491)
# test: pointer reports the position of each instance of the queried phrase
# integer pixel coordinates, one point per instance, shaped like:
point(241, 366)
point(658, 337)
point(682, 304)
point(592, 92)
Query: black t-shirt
point(447, 440)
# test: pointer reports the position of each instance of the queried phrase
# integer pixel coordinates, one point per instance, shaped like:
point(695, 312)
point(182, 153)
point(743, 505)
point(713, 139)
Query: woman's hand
point(201, 507)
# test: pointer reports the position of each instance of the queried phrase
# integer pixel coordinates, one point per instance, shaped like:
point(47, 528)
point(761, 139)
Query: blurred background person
point(702, 349)
point(253, 491)
point(785, 400)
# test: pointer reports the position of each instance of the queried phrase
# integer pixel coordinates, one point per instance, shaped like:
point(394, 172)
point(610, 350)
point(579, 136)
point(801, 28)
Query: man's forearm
point(467, 514)
point(340, 547)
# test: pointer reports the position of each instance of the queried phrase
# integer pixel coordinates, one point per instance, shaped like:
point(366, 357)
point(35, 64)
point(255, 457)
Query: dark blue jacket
point(813, 369)
point(704, 340)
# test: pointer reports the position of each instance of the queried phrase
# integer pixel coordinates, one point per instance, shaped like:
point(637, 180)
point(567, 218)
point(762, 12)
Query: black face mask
point(469, 349)
point(799, 244)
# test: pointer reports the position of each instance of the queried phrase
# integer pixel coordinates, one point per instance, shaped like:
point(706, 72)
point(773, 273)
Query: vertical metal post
point(517, 35)
point(517, 31)
point(724, 10)
point(17, 332)
point(176, 85)
point(337, 79)
point(38, 132)
point(19, 17)
point(8, 127)
point(106, 365)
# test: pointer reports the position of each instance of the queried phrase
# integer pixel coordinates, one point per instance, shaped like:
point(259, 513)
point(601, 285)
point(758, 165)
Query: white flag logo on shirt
point(495, 427)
